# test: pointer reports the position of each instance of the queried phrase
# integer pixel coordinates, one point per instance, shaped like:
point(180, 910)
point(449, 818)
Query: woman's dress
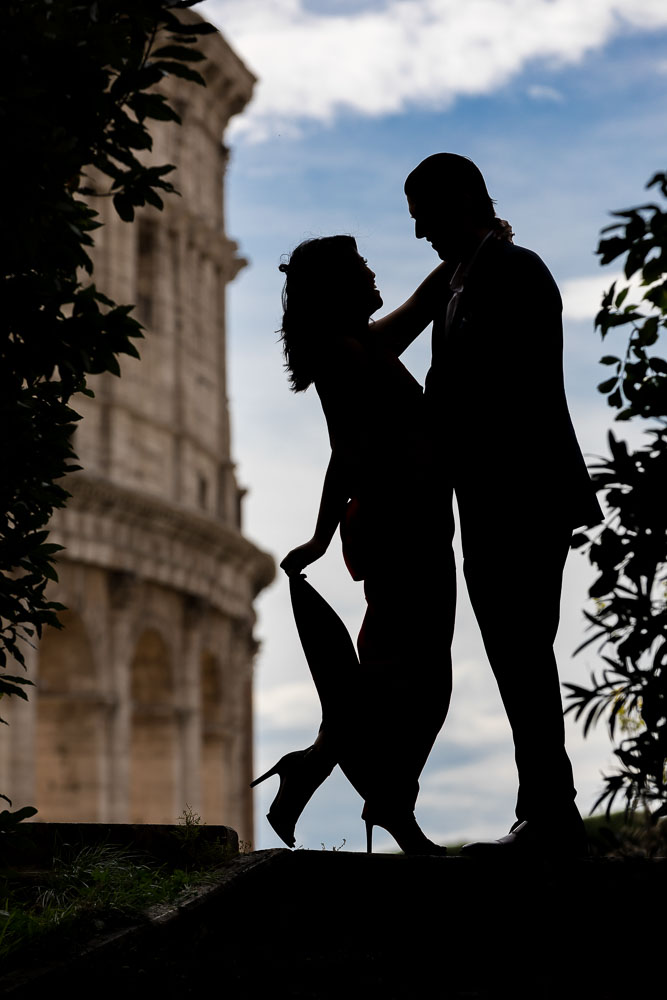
point(396, 534)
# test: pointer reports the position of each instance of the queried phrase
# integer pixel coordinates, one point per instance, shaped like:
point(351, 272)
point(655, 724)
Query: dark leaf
point(620, 298)
point(608, 297)
point(12, 689)
point(607, 385)
point(659, 179)
point(179, 52)
point(177, 69)
point(153, 198)
point(124, 207)
point(153, 106)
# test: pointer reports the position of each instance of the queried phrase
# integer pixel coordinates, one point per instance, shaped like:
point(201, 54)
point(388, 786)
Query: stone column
point(247, 821)
point(243, 648)
point(125, 598)
point(108, 702)
point(179, 261)
point(188, 687)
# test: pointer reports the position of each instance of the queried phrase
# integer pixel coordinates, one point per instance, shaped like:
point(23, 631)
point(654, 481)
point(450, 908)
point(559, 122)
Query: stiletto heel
point(276, 769)
point(301, 773)
point(406, 832)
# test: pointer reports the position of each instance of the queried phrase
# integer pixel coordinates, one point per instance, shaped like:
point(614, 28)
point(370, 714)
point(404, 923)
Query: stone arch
point(214, 750)
point(70, 725)
point(154, 732)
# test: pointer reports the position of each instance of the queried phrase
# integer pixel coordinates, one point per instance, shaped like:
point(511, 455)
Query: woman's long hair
point(316, 296)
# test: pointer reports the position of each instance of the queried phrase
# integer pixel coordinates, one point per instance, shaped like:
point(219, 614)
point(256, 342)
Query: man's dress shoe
point(529, 841)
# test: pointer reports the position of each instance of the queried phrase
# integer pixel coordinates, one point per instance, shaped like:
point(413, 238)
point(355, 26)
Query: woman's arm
point(335, 494)
point(399, 328)
point(342, 393)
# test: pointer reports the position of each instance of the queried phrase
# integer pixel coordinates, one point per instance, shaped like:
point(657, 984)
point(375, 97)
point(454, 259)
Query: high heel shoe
point(301, 773)
point(406, 832)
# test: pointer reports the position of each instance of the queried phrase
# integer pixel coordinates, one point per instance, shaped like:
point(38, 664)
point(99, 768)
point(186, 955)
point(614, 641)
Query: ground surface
point(326, 924)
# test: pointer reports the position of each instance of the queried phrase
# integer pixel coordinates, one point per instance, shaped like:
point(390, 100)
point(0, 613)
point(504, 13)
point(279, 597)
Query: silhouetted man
point(496, 398)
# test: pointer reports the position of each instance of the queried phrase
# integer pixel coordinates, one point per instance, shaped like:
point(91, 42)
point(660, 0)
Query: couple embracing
point(493, 427)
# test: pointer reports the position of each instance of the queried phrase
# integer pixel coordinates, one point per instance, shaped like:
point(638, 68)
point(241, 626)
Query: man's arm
point(399, 328)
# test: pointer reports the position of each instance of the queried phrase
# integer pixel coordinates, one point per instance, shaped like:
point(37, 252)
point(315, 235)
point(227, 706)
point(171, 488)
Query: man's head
point(449, 202)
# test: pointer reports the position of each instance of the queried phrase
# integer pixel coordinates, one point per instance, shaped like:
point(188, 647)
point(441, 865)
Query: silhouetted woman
point(381, 717)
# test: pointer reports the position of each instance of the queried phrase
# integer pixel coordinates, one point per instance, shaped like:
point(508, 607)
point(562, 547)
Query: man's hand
point(302, 556)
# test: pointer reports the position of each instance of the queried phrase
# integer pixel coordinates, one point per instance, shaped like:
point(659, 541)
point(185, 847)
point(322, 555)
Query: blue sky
point(563, 105)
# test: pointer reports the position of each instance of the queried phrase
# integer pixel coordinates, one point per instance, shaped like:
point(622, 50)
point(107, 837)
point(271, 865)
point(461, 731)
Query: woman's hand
point(302, 556)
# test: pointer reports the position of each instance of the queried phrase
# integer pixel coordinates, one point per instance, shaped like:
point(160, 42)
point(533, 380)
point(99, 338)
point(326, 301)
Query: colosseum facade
point(143, 702)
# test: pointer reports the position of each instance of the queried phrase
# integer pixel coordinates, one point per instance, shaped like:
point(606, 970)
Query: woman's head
point(329, 290)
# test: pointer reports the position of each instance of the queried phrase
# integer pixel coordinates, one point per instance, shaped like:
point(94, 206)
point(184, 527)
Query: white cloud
point(289, 706)
point(582, 296)
point(424, 53)
point(539, 92)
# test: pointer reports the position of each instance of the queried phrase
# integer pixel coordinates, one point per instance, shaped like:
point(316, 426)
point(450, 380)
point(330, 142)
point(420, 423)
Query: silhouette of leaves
point(630, 551)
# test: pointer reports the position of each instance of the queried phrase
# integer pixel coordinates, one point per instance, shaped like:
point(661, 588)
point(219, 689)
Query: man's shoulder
point(507, 262)
point(514, 256)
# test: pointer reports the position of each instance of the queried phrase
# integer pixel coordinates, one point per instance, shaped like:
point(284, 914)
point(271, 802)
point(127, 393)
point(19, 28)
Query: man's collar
point(463, 270)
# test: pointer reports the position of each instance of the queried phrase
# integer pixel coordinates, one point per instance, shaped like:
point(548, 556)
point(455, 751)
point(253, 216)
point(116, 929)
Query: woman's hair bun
point(503, 229)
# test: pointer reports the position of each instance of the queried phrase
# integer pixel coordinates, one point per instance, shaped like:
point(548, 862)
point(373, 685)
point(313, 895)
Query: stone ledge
point(87, 965)
point(332, 924)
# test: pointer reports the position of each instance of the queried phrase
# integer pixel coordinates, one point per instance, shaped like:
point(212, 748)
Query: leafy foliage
point(76, 91)
point(630, 552)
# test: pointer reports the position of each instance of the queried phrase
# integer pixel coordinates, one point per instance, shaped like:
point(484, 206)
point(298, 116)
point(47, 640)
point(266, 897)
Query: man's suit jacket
point(496, 394)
